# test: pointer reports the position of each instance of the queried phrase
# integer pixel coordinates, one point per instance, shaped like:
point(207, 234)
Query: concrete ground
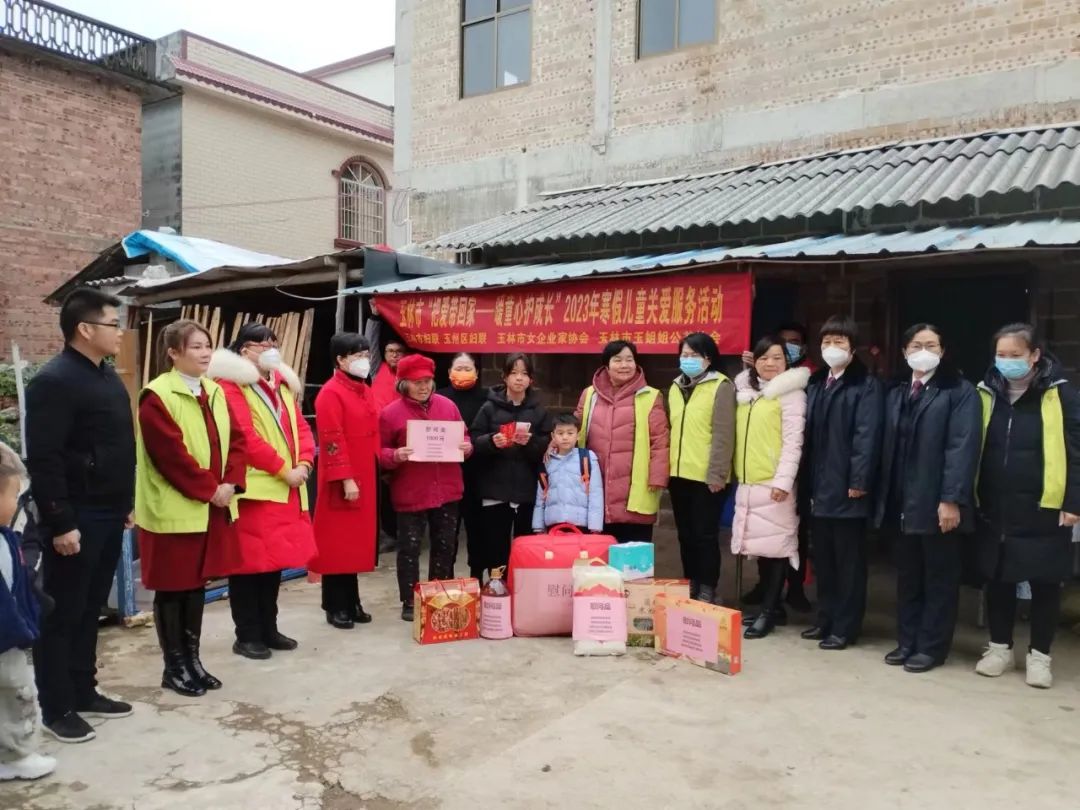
point(369, 719)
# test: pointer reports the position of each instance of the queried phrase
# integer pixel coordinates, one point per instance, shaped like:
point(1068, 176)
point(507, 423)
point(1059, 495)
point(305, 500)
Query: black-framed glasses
point(112, 325)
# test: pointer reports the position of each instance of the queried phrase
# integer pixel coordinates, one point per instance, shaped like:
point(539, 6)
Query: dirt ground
point(369, 719)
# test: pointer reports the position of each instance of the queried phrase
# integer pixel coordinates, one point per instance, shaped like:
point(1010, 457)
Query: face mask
point(691, 366)
point(463, 380)
point(794, 352)
point(1012, 368)
point(835, 357)
point(360, 368)
point(923, 360)
point(270, 359)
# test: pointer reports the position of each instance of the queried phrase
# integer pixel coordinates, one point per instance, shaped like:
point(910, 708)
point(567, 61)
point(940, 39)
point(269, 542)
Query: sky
point(304, 36)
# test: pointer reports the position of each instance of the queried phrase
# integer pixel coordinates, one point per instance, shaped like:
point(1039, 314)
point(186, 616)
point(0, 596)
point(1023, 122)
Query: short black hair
point(567, 419)
point(914, 329)
point(512, 360)
point(792, 326)
point(252, 332)
point(83, 306)
point(760, 348)
point(345, 343)
point(705, 346)
point(842, 326)
point(615, 347)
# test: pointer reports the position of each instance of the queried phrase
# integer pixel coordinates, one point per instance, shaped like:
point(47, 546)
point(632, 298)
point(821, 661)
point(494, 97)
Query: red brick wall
point(70, 184)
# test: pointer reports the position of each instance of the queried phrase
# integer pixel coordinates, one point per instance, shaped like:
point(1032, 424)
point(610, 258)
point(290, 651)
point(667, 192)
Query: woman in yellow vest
point(1028, 495)
point(770, 421)
point(624, 423)
point(190, 465)
point(701, 409)
point(273, 528)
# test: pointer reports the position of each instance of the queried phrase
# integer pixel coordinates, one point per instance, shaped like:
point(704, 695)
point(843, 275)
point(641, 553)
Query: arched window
point(361, 203)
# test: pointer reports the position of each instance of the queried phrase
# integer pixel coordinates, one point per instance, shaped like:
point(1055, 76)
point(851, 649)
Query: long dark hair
point(760, 348)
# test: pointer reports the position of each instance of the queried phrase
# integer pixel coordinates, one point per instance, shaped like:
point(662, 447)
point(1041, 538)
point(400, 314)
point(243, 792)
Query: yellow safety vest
point(261, 485)
point(159, 507)
point(643, 500)
point(1055, 461)
point(691, 428)
point(757, 462)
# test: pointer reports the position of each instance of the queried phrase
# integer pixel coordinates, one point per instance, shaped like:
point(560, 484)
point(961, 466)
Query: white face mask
point(269, 359)
point(360, 368)
point(835, 357)
point(923, 360)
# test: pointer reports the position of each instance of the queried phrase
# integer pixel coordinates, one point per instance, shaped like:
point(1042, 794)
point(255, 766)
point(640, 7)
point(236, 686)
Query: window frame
point(340, 241)
point(678, 47)
point(524, 6)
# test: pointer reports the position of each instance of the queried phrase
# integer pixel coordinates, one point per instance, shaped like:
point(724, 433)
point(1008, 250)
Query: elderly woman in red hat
point(425, 495)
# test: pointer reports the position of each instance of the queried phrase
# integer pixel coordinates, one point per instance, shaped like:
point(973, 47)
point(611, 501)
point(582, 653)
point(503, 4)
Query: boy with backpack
point(571, 489)
point(20, 614)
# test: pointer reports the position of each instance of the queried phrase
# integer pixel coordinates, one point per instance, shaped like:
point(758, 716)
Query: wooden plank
point(305, 343)
point(149, 346)
point(215, 324)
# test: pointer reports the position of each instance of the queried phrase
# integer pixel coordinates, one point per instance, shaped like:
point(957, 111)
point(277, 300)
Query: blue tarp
point(194, 254)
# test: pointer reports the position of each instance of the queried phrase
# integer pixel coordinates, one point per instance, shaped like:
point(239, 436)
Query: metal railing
point(72, 35)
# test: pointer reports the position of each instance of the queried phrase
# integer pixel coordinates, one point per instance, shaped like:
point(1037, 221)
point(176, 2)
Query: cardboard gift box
point(640, 596)
point(707, 635)
point(632, 560)
point(445, 610)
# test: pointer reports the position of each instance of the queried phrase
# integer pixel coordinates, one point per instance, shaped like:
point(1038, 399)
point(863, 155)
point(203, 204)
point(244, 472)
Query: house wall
point(781, 80)
point(69, 186)
point(374, 80)
point(261, 179)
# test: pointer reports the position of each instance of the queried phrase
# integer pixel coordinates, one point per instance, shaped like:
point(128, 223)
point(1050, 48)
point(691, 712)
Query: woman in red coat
point(273, 530)
point(346, 507)
point(191, 464)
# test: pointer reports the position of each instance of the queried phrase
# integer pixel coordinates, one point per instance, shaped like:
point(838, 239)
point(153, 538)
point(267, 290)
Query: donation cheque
point(432, 440)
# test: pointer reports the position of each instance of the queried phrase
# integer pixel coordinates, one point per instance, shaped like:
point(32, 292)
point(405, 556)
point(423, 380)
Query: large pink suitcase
point(540, 581)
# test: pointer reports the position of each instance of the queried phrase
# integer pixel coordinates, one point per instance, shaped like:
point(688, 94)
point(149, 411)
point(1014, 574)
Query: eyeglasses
point(266, 344)
point(111, 324)
point(930, 347)
point(394, 351)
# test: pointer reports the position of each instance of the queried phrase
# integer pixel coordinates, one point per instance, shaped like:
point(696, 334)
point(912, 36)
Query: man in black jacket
point(839, 466)
point(81, 456)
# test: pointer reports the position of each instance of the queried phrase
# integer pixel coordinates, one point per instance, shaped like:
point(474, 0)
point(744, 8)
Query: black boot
point(706, 594)
point(762, 626)
point(194, 603)
point(407, 611)
point(360, 616)
point(177, 676)
point(339, 619)
point(695, 588)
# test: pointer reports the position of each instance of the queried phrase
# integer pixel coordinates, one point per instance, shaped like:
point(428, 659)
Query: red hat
point(415, 367)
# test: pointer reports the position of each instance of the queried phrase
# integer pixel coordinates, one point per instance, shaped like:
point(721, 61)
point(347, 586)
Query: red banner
point(577, 317)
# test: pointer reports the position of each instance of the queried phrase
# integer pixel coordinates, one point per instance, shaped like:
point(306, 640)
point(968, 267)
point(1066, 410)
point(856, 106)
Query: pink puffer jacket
point(611, 437)
point(764, 527)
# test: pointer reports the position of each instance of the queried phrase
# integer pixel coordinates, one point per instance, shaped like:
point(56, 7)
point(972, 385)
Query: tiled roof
point(894, 174)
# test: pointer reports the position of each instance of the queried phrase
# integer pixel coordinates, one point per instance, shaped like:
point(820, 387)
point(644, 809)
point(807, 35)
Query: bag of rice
point(599, 609)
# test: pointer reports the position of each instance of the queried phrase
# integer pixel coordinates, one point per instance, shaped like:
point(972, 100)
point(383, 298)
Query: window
point(361, 204)
point(496, 47)
point(666, 25)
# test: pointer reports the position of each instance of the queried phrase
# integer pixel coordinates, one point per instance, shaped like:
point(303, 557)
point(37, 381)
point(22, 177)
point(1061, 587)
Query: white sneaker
point(1038, 670)
point(997, 660)
point(32, 766)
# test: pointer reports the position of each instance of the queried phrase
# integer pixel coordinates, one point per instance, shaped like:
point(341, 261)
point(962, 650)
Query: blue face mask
point(691, 366)
point(794, 352)
point(1012, 368)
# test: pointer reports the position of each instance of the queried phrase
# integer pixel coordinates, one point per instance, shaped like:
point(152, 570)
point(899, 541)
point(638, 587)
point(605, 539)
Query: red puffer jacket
point(418, 486)
point(611, 437)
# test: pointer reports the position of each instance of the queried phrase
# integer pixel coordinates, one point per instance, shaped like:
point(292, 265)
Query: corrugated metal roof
point(895, 174)
point(1039, 233)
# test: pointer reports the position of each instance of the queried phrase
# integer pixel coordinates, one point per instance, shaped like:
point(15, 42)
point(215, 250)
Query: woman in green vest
point(1028, 495)
point(701, 410)
point(190, 465)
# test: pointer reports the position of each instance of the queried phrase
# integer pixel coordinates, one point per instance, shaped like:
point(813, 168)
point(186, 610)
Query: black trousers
point(441, 526)
point(795, 577)
point(697, 522)
point(340, 593)
point(927, 591)
point(773, 576)
point(502, 523)
point(253, 600)
point(65, 657)
point(630, 532)
point(840, 560)
point(471, 516)
point(387, 515)
point(1045, 612)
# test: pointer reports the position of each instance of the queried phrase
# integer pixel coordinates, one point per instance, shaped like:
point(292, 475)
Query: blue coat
point(566, 500)
point(19, 611)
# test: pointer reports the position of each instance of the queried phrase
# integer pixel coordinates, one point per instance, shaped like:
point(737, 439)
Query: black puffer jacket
point(510, 474)
point(1016, 533)
point(469, 401)
point(942, 452)
point(843, 442)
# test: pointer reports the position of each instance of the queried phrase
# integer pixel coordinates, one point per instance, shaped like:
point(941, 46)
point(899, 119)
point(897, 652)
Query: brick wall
point(261, 179)
point(69, 186)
